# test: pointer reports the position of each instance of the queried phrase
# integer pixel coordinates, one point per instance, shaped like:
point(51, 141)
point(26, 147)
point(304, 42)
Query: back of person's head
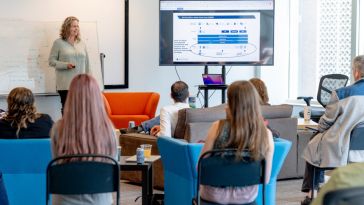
point(247, 125)
point(358, 64)
point(85, 127)
point(262, 90)
point(21, 108)
point(179, 91)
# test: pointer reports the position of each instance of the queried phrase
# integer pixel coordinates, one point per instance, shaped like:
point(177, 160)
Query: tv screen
point(236, 32)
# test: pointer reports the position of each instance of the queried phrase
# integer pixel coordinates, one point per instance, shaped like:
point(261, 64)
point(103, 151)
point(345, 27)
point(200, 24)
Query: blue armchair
point(180, 159)
point(23, 163)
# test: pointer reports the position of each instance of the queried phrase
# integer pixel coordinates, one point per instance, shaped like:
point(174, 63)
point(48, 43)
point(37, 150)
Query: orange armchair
point(130, 106)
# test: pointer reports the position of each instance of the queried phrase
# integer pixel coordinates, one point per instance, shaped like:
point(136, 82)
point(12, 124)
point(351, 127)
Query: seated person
point(22, 120)
point(165, 124)
point(349, 176)
point(330, 147)
point(244, 128)
point(75, 133)
point(260, 87)
point(262, 90)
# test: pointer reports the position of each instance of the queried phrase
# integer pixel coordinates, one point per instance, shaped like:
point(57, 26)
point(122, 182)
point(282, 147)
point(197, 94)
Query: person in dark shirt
point(22, 120)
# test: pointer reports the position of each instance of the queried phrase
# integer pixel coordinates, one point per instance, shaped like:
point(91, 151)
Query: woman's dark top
point(224, 135)
point(39, 129)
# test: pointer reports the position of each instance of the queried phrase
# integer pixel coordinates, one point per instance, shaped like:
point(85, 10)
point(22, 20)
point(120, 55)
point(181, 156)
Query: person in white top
point(165, 124)
point(169, 113)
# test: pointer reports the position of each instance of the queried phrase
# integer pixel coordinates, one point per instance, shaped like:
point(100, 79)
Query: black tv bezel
point(238, 63)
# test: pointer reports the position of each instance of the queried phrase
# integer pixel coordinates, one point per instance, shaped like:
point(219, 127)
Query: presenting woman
point(68, 56)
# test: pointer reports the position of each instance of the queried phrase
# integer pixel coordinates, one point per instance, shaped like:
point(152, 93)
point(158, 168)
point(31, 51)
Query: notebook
point(213, 79)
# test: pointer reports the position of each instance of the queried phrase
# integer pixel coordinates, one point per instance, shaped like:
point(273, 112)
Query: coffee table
point(147, 176)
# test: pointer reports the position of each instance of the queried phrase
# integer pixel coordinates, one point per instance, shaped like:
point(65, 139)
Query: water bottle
point(140, 155)
point(192, 102)
point(119, 153)
point(307, 113)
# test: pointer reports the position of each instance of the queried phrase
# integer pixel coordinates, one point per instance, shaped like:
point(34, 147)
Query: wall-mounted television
point(216, 32)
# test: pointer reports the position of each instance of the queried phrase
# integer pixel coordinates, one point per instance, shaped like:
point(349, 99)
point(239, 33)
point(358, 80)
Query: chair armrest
point(281, 149)
point(152, 104)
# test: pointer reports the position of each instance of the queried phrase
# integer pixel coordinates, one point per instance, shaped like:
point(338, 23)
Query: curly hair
point(262, 90)
point(21, 108)
point(65, 29)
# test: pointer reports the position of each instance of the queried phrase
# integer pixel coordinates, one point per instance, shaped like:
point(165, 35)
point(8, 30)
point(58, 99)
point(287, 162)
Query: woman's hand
point(155, 129)
point(71, 66)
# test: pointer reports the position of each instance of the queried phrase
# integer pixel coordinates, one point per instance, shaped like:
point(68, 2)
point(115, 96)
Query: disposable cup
point(147, 150)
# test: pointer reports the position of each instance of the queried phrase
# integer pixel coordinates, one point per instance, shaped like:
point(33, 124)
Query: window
point(321, 43)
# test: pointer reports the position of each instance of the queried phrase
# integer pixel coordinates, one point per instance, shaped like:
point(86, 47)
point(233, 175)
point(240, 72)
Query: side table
point(129, 143)
point(147, 176)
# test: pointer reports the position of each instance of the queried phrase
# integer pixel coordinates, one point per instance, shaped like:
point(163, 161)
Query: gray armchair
point(193, 125)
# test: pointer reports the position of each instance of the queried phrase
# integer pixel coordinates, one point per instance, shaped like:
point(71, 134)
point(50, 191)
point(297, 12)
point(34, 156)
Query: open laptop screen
point(213, 79)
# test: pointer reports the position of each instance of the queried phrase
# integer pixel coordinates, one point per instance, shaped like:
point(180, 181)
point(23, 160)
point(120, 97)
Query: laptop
point(213, 79)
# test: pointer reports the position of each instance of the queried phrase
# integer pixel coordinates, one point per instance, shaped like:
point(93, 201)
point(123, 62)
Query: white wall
point(109, 16)
point(144, 71)
point(277, 76)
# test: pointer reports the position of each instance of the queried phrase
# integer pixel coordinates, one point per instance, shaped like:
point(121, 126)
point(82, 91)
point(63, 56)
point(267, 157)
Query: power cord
point(175, 68)
point(198, 97)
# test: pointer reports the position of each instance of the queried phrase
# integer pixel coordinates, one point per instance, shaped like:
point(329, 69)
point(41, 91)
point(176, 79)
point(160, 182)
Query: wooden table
point(302, 124)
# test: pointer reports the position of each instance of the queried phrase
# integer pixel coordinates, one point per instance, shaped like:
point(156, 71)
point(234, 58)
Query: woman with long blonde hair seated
point(22, 120)
point(84, 128)
point(244, 128)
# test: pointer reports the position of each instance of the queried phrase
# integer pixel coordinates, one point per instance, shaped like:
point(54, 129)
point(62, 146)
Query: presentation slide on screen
point(212, 37)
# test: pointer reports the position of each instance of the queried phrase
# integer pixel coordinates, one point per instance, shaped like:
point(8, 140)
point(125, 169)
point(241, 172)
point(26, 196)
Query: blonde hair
point(85, 127)
point(262, 90)
point(21, 108)
point(65, 29)
point(247, 129)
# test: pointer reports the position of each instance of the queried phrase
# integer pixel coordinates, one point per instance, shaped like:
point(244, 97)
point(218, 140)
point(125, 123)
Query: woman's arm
point(211, 137)
point(269, 157)
point(165, 123)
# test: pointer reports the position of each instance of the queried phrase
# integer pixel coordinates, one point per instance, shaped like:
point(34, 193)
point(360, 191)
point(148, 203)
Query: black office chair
point(328, 83)
point(220, 168)
point(356, 145)
point(69, 175)
point(348, 196)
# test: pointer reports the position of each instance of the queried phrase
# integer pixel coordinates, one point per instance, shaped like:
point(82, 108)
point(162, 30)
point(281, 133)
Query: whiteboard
point(24, 52)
